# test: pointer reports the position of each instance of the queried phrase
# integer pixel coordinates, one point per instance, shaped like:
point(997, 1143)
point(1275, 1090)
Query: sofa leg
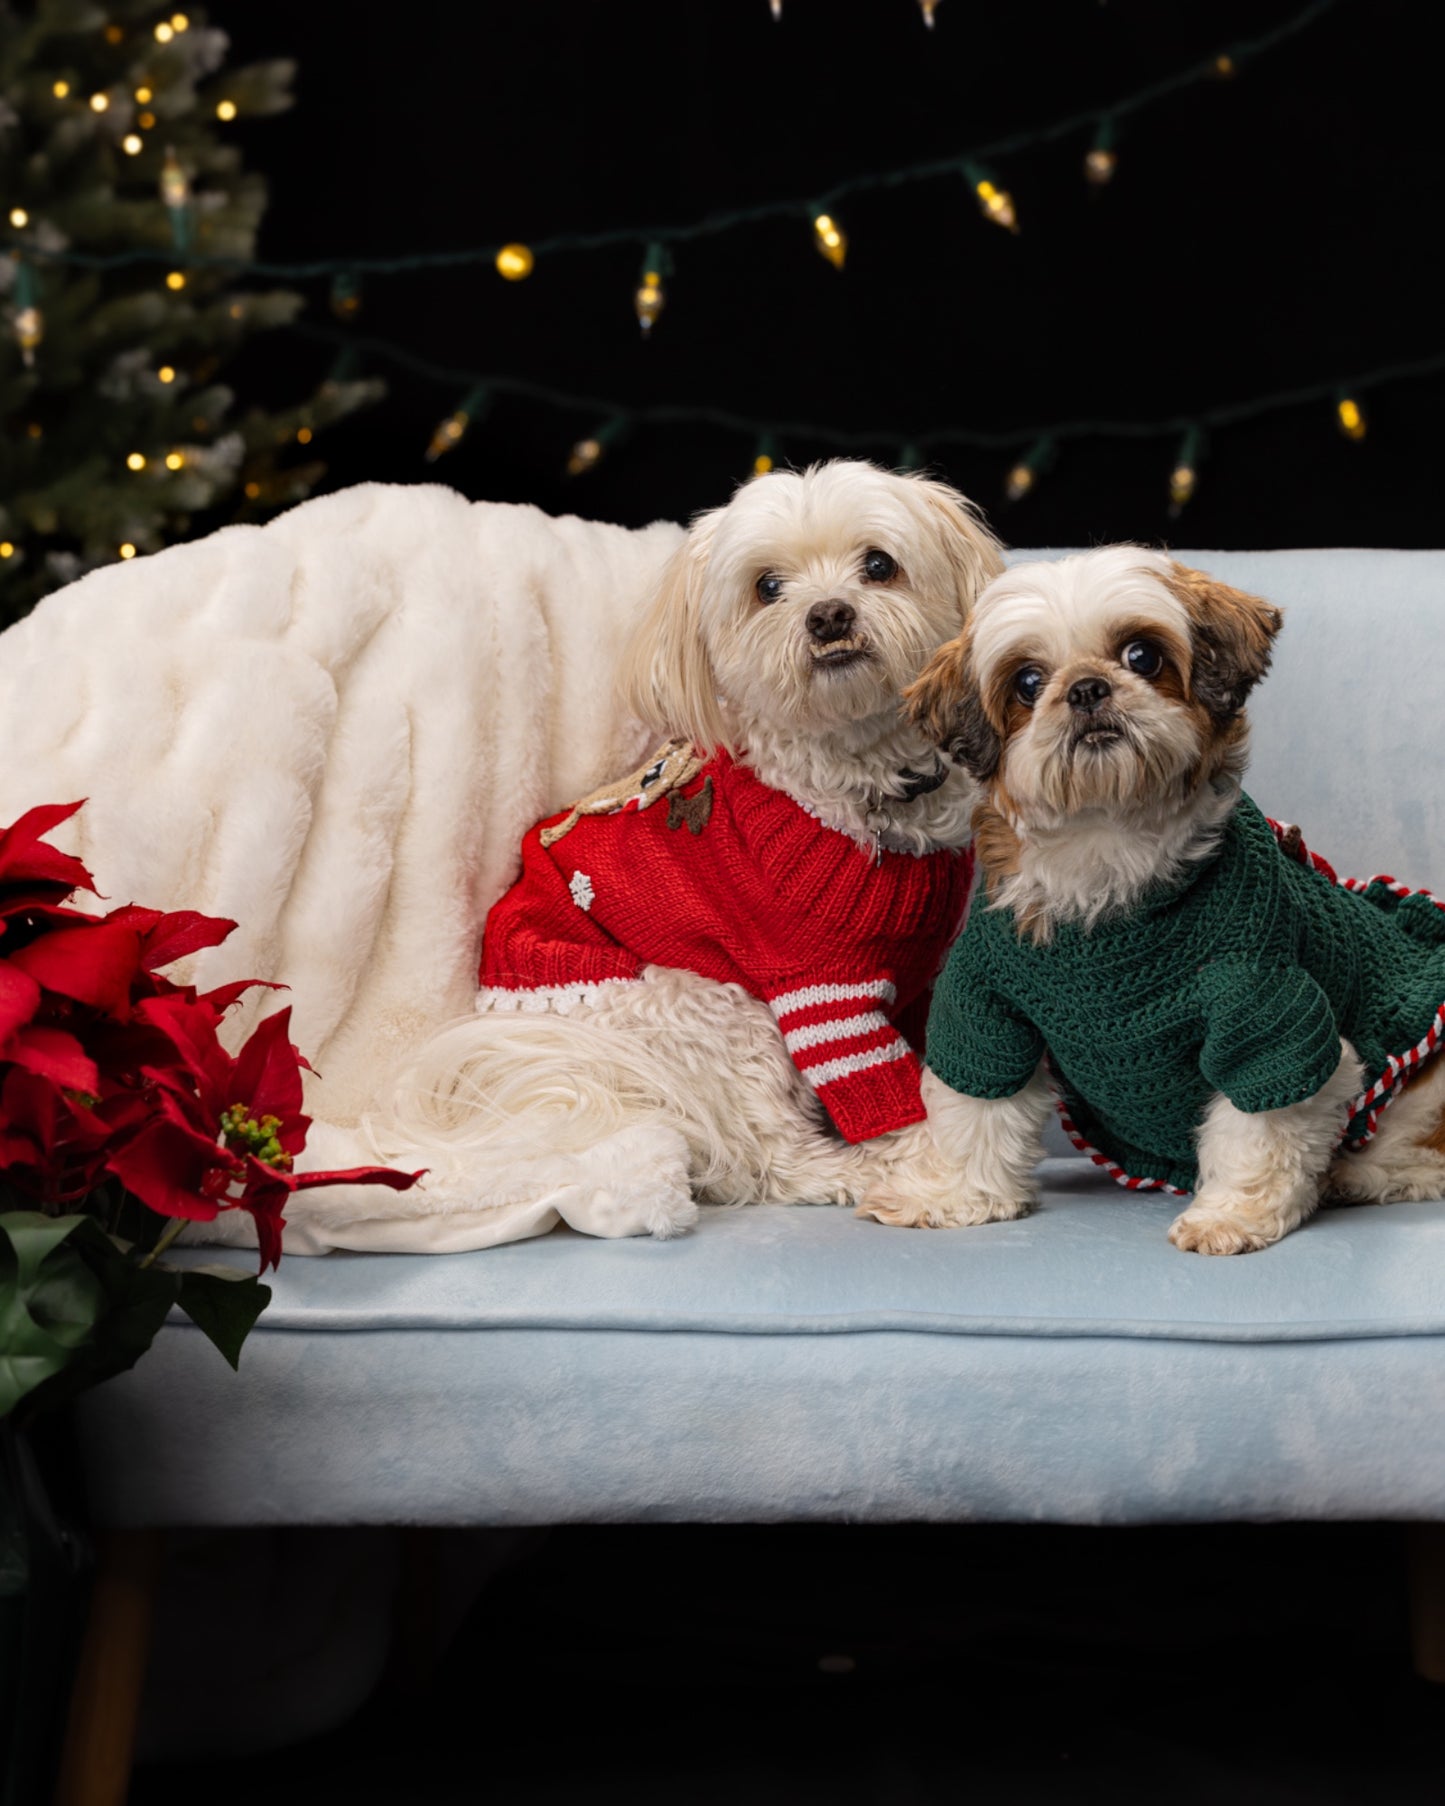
point(1426, 1546)
point(95, 1761)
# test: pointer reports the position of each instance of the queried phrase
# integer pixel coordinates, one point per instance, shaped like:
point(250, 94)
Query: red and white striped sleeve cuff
point(848, 1050)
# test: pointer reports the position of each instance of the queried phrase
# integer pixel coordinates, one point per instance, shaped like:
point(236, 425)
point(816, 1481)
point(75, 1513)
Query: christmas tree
point(127, 215)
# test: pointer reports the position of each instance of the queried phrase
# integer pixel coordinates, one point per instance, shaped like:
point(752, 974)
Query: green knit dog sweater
point(1241, 980)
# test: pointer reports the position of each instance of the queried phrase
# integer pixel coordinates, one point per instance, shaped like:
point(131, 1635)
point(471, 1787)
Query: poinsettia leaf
point(224, 1305)
point(93, 963)
point(75, 1278)
point(19, 999)
point(63, 1296)
point(50, 1301)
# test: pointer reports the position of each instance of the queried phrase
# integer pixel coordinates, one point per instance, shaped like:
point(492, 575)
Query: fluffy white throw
point(336, 729)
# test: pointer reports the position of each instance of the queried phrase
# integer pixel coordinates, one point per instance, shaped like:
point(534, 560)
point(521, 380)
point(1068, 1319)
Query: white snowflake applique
point(582, 891)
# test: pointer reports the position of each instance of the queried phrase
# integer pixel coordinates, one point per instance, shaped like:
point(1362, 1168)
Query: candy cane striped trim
point(1376, 1098)
point(1111, 1167)
point(809, 995)
point(839, 1028)
point(1392, 884)
point(832, 1070)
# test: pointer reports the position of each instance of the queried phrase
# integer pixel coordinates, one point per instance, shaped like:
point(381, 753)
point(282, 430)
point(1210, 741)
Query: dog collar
point(916, 784)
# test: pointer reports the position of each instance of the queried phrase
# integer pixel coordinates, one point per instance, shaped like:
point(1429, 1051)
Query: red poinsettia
point(109, 1070)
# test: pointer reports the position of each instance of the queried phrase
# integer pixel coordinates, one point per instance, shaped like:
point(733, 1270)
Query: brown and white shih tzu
point(1219, 1014)
point(683, 998)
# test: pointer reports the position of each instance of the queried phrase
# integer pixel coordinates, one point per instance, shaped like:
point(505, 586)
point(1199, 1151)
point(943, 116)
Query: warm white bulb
point(60, 90)
point(132, 145)
point(226, 109)
point(174, 460)
point(99, 103)
point(164, 32)
point(179, 22)
point(127, 550)
point(166, 373)
point(136, 461)
point(19, 217)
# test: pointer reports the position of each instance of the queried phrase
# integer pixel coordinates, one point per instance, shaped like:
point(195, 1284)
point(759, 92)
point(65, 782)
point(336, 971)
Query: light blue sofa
point(805, 1364)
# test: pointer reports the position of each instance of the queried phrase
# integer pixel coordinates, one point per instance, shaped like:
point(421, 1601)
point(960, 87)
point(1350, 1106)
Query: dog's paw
point(1219, 1231)
point(957, 1210)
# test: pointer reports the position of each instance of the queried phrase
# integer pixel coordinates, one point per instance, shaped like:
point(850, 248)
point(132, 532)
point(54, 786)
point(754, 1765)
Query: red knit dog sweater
point(738, 883)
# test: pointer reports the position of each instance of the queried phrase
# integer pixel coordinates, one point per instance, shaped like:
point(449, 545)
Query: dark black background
point(1273, 230)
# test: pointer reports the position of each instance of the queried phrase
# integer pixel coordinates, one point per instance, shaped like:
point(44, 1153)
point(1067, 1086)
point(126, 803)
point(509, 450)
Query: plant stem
point(167, 1236)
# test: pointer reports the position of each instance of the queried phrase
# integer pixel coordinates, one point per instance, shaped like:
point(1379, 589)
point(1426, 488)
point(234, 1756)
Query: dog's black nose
point(1088, 693)
point(828, 621)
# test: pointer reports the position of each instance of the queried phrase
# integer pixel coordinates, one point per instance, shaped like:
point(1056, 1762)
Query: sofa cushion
point(806, 1363)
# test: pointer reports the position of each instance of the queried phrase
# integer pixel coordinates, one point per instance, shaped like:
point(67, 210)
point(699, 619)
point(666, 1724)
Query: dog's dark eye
point(1028, 685)
point(1143, 658)
point(769, 587)
point(878, 567)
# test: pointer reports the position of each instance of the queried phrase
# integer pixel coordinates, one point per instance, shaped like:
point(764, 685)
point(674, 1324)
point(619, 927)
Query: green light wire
point(713, 223)
point(1175, 426)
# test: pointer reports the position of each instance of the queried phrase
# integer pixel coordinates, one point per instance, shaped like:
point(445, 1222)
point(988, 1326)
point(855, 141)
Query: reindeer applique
point(673, 765)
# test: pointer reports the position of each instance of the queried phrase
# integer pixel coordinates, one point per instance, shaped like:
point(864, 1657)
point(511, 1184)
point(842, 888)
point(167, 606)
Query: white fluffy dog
point(1220, 1013)
point(710, 1000)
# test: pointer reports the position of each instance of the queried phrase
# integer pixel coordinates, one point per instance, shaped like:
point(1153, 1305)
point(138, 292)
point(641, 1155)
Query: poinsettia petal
point(43, 901)
point(264, 1200)
point(19, 998)
point(162, 1166)
point(267, 1078)
point(24, 857)
point(52, 1054)
point(358, 1175)
point(168, 936)
point(190, 1027)
point(221, 999)
point(16, 1150)
point(31, 1106)
point(93, 962)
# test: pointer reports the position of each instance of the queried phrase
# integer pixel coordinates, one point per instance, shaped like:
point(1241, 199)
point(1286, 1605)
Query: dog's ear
point(969, 549)
point(946, 703)
point(1233, 637)
point(665, 675)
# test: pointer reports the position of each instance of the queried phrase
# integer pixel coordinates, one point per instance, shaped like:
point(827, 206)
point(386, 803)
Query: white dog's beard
point(1114, 763)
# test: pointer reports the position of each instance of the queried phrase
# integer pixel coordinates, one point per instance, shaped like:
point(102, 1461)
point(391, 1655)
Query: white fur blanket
point(335, 729)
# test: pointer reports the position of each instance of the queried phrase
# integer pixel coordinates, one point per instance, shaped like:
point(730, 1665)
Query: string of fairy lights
point(1035, 448)
point(611, 422)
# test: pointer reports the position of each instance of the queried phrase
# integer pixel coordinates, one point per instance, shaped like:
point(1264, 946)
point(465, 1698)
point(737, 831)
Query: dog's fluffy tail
point(497, 1088)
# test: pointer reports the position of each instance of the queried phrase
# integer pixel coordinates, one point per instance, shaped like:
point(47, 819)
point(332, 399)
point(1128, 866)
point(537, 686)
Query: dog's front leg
point(971, 1161)
point(1261, 1175)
